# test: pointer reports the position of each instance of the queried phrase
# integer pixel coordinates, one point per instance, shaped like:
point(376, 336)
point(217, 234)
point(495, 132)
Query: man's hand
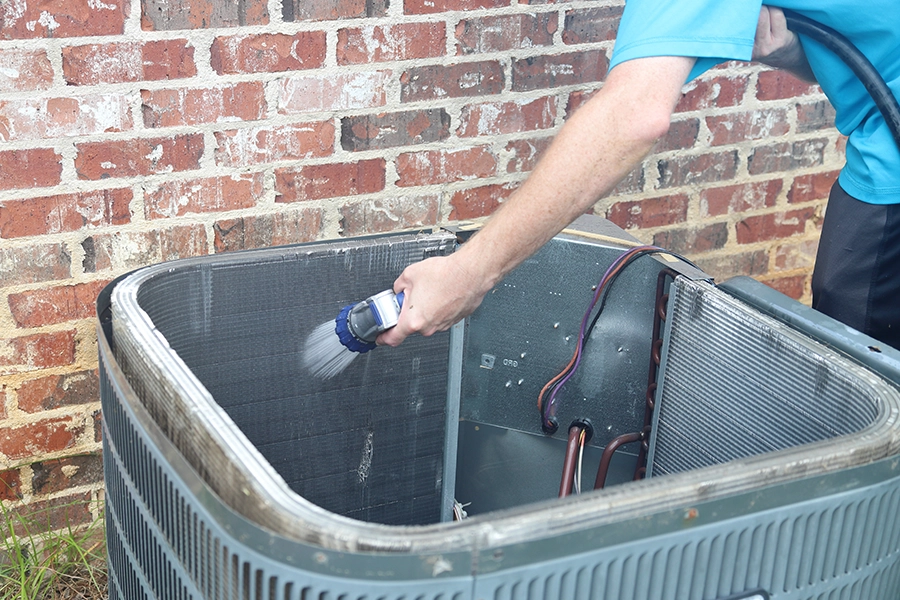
point(777, 46)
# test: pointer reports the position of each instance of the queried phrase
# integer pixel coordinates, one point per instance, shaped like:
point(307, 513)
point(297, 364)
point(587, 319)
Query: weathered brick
point(25, 70)
point(500, 33)
point(41, 118)
point(120, 62)
point(61, 19)
point(427, 7)
point(314, 182)
point(343, 91)
point(715, 201)
point(591, 25)
point(136, 157)
point(692, 240)
point(773, 226)
point(34, 264)
point(65, 212)
point(576, 99)
point(633, 183)
point(168, 15)
point(778, 84)
point(97, 418)
point(172, 108)
point(716, 92)
point(792, 286)
point(751, 125)
point(389, 130)
point(681, 135)
point(268, 52)
point(651, 212)
point(497, 118)
point(433, 82)
point(816, 186)
point(550, 71)
point(799, 255)
point(54, 476)
point(691, 170)
point(388, 214)
point(332, 10)
point(38, 351)
point(260, 231)
point(49, 306)
point(430, 167)
point(403, 41)
point(815, 116)
point(787, 156)
point(480, 201)
point(258, 145)
point(40, 167)
point(526, 153)
point(208, 194)
point(55, 391)
point(132, 249)
point(71, 512)
point(724, 267)
point(10, 485)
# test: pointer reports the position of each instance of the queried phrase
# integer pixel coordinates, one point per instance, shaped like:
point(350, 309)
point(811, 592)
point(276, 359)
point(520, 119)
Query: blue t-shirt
point(714, 31)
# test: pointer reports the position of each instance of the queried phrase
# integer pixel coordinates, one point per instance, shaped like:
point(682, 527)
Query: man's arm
point(599, 145)
point(777, 46)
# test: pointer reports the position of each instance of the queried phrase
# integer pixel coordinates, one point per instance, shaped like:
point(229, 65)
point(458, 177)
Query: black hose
point(845, 50)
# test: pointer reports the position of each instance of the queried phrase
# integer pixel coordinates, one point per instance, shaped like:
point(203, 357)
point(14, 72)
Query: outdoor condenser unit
point(772, 462)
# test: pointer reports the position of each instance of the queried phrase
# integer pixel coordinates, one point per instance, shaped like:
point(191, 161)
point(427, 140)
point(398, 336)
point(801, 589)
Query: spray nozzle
point(357, 325)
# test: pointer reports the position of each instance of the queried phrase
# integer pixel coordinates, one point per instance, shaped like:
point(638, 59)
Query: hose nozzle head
point(358, 325)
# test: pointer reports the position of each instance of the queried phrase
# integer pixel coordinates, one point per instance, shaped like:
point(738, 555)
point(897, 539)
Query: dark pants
point(857, 275)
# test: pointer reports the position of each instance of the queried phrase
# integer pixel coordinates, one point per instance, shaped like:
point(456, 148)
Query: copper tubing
point(568, 475)
point(607, 455)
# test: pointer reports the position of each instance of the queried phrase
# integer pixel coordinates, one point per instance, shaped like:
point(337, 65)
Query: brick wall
point(133, 133)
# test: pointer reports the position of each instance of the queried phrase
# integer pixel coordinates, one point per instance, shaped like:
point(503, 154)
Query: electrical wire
point(581, 444)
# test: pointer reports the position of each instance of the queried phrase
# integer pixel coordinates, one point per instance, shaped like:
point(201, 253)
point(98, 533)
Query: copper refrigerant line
point(580, 430)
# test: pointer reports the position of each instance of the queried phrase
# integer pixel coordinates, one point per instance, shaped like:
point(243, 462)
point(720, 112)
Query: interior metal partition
point(196, 509)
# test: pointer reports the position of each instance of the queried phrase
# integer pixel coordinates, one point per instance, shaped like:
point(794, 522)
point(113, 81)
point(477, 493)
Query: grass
point(41, 562)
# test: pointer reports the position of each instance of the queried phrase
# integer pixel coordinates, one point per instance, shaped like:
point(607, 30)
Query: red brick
point(715, 201)
point(817, 186)
point(34, 264)
point(136, 157)
point(41, 118)
point(61, 474)
point(633, 183)
point(526, 154)
point(794, 286)
point(342, 91)
point(430, 167)
point(800, 255)
point(591, 25)
point(314, 182)
point(332, 10)
point(427, 7)
point(815, 116)
point(479, 202)
point(652, 212)
point(404, 41)
point(66, 212)
point(752, 125)
point(169, 15)
point(173, 108)
point(209, 194)
point(691, 170)
point(268, 52)
point(37, 308)
point(97, 418)
point(724, 267)
point(258, 145)
point(389, 130)
point(55, 391)
point(681, 135)
point(10, 485)
point(266, 230)
point(778, 84)
point(577, 99)
point(61, 513)
point(500, 33)
point(550, 71)
point(61, 19)
point(38, 351)
point(693, 239)
point(121, 62)
point(787, 156)
point(433, 82)
point(129, 250)
point(388, 214)
point(496, 118)
point(39, 167)
point(25, 70)
point(717, 92)
point(773, 226)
